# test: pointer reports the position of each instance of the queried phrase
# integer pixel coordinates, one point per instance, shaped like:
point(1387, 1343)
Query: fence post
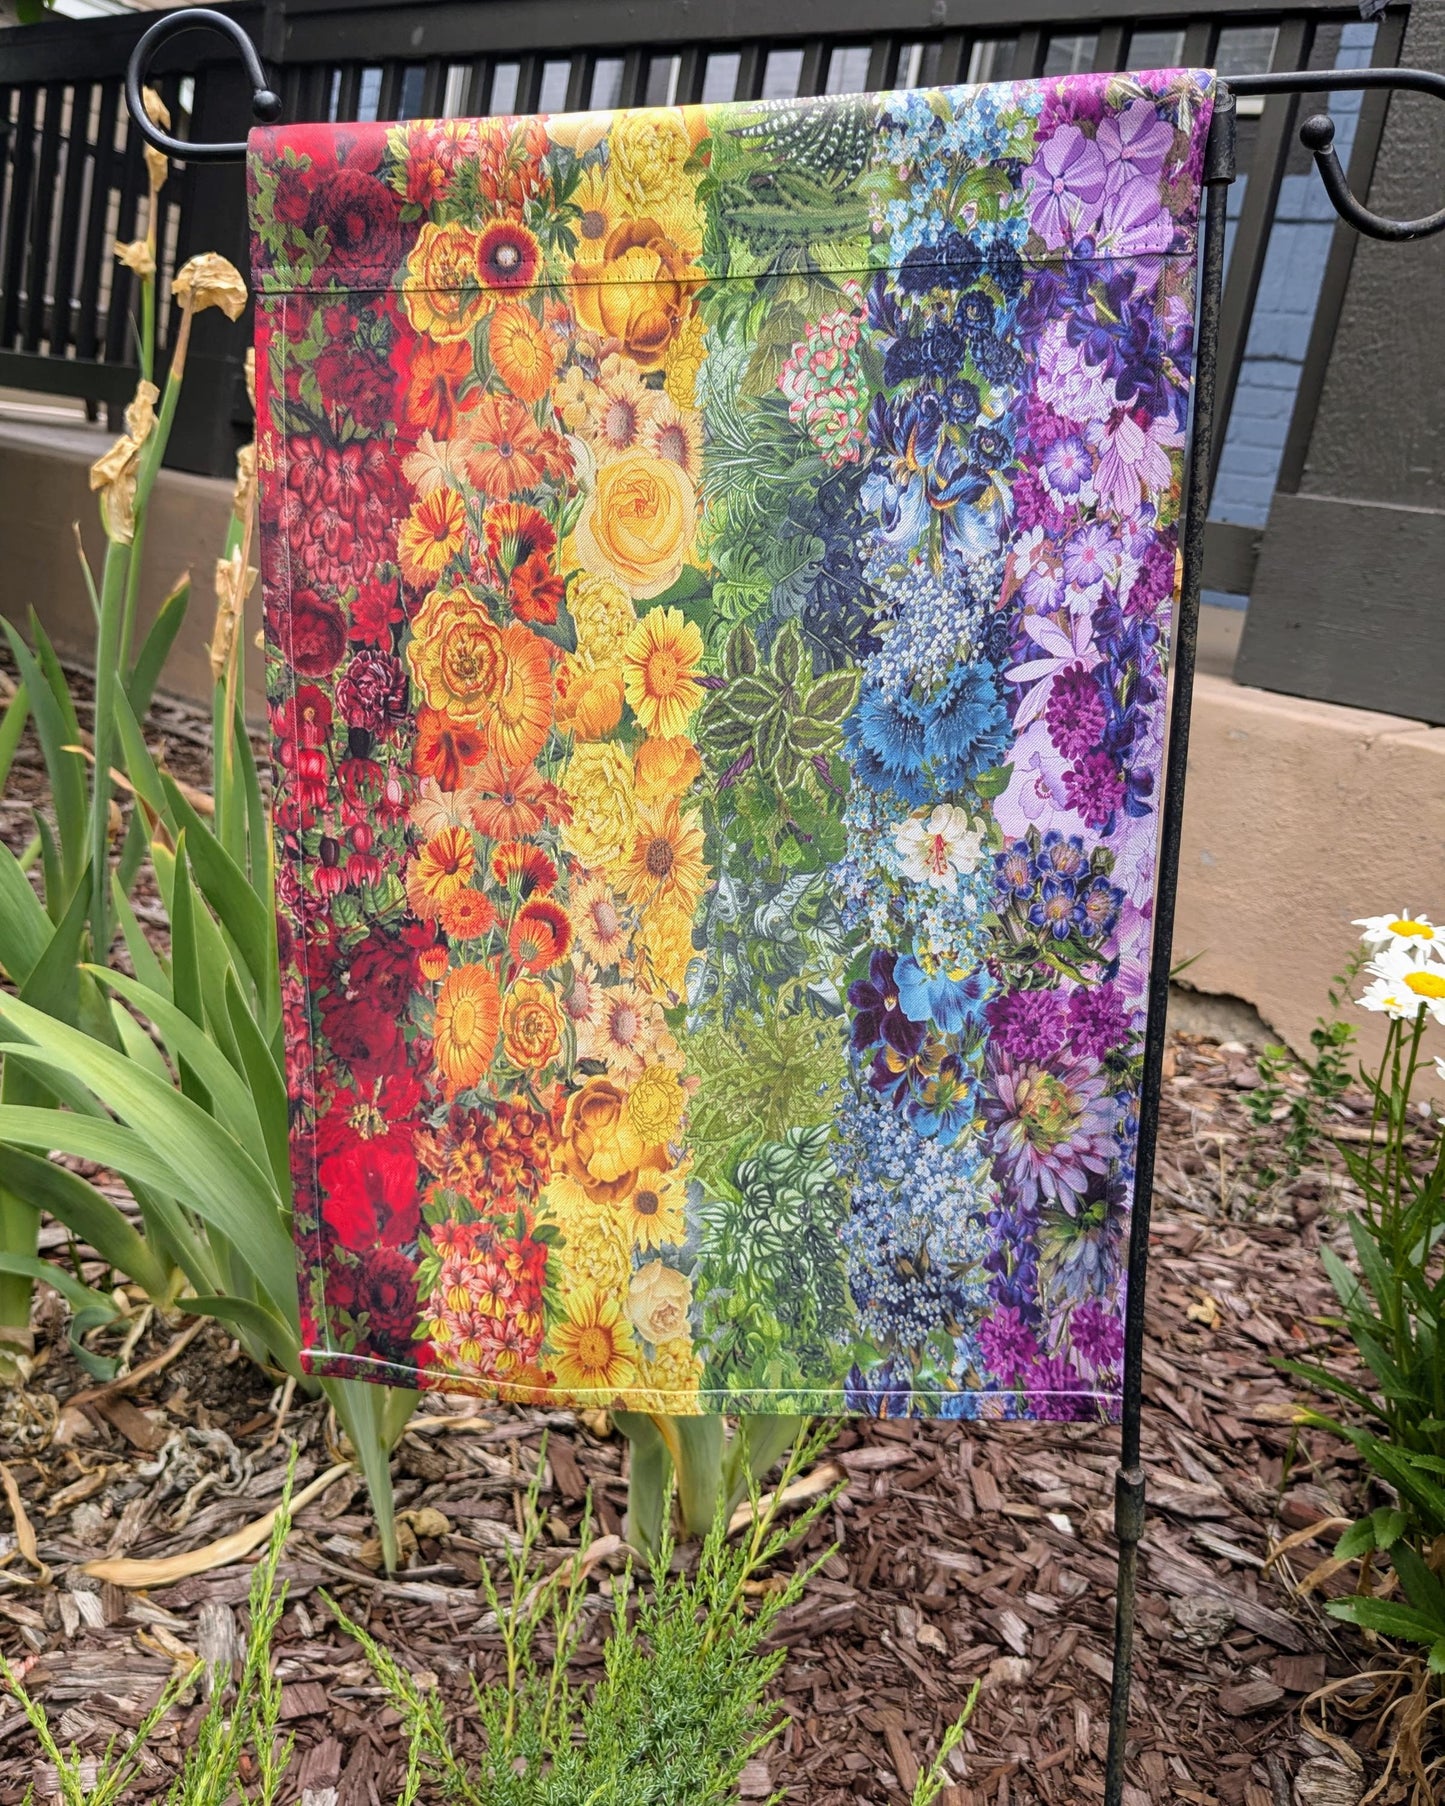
point(214, 416)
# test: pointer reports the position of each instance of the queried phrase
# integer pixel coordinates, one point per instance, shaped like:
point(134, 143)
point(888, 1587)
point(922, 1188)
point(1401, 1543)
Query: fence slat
point(102, 164)
point(119, 341)
point(41, 233)
point(77, 158)
point(17, 226)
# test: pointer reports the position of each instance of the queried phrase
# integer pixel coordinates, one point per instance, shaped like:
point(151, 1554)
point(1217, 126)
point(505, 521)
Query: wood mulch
point(962, 1554)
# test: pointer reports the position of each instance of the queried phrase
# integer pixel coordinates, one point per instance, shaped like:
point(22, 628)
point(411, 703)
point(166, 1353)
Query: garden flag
point(718, 567)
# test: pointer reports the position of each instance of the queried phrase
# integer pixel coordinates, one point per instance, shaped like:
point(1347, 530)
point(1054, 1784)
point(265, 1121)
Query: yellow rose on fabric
point(442, 288)
point(665, 768)
point(666, 938)
point(589, 697)
point(658, 1301)
point(600, 1148)
point(603, 616)
point(660, 665)
point(455, 653)
point(531, 1026)
point(647, 159)
point(637, 293)
point(637, 525)
point(598, 784)
point(683, 363)
point(656, 1103)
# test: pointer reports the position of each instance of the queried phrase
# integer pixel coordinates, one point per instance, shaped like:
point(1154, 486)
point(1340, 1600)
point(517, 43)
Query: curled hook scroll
point(1317, 134)
point(265, 104)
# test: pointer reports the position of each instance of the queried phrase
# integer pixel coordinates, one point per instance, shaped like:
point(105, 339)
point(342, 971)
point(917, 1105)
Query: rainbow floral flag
point(718, 567)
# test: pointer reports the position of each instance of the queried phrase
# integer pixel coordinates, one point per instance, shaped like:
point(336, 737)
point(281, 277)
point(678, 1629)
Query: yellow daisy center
point(663, 670)
point(593, 1347)
point(1406, 926)
point(1426, 984)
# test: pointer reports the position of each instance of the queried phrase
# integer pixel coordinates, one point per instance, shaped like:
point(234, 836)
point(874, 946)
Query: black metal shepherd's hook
point(265, 104)
point(1317, 134)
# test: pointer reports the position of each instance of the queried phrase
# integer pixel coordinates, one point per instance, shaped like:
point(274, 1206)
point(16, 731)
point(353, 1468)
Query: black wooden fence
point(72, 179)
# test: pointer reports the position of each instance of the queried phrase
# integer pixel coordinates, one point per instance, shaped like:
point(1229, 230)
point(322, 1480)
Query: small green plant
point(238, 1734)
point(1392, 1302)
point(1307, 1106)
point(682, 1705)
point(934, 1778)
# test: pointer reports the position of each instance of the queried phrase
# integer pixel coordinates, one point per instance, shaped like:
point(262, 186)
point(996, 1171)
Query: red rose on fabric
point(369, 1195)
point(383, 969)
point(359, 214)
point(360, 1032)
point(356, 381)
point(372, 693)
point(314, 638)
point(293, 196)
point(383, 1289)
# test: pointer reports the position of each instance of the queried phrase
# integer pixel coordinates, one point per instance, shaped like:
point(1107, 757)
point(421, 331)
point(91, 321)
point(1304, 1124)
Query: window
point(606, 83)
point(555, 78)
point(1155, 50)
point(847, 69)
point(781, 74)
point(504, 87)
point(989, 59)
point(408, 102)
point(720, 75)
point(1068, 55)
point(661, 88)
point(917, 65)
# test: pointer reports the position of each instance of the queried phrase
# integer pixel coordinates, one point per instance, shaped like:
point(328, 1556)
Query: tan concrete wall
point(1299, 817)
point(44, 492)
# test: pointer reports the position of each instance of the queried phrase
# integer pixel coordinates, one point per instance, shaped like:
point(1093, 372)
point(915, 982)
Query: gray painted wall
point(1348, 601)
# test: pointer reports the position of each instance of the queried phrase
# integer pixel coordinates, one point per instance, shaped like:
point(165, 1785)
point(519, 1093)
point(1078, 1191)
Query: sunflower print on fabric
point(718, 567)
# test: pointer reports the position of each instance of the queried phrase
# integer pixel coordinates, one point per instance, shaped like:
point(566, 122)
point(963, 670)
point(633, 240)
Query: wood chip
point(1248, 1697)
point(235, 1547)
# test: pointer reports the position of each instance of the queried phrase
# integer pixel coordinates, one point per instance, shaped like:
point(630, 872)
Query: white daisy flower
point(1417, 935)
point(1401, 984)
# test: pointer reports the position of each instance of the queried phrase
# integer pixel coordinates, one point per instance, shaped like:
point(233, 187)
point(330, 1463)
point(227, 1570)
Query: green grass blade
point(156, 648)
point(88, 1214)
point(25, 929)
point(210, 1170)
point(143, 957)
point(228, 891)
point(267, 1086)
point(12, 729)
point(234, 1104)
point(262, 1326)
point(66, 770)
